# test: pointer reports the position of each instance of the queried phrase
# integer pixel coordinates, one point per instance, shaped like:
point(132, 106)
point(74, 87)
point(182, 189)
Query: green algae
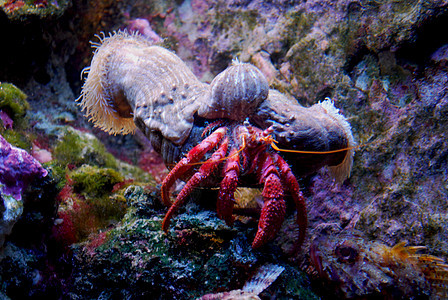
point(242, 20)
point(93, 181)
point(95, 185)
point(13, 101)
point(296, 25)
point(78, 148)
point(17, 138)
point(57, 173)
point(75, 148)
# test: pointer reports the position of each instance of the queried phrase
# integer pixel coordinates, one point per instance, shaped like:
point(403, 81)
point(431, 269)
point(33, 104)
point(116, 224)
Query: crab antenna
point(274, 146)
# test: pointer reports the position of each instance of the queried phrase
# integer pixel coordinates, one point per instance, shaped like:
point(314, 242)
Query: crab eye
point(346, 252)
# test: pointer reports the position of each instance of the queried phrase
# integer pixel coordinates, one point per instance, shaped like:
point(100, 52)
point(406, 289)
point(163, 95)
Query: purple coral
point(17, 169)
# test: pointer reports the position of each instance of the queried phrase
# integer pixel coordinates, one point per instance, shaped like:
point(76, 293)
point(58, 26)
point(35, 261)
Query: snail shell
point(317, 128)
point(131, 81)
point(235, 93)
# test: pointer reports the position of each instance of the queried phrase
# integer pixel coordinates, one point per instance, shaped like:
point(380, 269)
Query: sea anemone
point(109, 113)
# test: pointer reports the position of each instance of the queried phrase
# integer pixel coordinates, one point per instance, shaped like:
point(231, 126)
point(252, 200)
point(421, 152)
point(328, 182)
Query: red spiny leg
point(204, 171)
point(274, 207)
point(290, 181)
point(194, 155)
point(224, 205)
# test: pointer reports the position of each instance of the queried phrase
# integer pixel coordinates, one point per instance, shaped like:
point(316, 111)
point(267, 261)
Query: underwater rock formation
point(17, 170)
point(136, 259)
point(26, 10)
point(382, 62)
point(359, 267)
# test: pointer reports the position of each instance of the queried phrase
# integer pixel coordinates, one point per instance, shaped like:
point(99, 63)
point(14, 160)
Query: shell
point(131, 81)
point(317, 128)
point(236, 92)
point(262, 279)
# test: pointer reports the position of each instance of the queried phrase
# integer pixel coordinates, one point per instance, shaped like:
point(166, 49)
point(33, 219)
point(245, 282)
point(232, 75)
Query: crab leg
point(224, 205)
point(204, 171)
point(193, 156)
point(274, 207)
point(290, 181)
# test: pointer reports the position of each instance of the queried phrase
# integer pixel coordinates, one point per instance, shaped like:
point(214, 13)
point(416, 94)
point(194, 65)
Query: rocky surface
point(17, 170)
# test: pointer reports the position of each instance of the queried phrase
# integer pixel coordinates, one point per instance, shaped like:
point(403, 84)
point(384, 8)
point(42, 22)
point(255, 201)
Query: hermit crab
point(227, 133)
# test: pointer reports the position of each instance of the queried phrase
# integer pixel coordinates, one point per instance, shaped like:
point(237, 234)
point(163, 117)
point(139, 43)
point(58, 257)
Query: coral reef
point(384, 64)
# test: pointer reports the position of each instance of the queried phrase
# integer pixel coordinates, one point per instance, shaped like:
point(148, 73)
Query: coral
point(17, 170)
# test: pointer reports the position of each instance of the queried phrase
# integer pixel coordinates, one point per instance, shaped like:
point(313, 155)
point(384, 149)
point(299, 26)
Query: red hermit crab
point(225, 133)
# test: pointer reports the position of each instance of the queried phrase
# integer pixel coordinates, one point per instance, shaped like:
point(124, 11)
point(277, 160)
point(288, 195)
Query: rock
point(17, 170)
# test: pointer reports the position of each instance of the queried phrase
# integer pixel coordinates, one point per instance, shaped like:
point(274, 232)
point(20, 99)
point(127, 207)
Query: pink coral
point(17, 169)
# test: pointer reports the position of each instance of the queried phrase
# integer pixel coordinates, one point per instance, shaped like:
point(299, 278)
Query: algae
point(26, 10)
point(17, 138)
point(93, 181)
point(77, 148)
point(13, 101)
point(137, 259)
